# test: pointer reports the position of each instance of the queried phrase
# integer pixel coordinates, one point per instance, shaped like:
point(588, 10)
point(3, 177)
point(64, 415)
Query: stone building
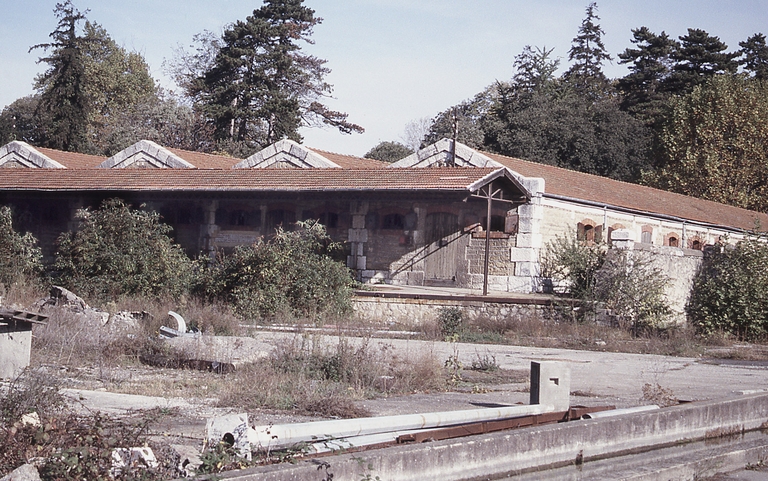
point(419, 221)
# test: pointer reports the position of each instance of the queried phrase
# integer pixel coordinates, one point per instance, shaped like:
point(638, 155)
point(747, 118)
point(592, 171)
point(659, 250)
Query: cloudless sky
point(392, 61)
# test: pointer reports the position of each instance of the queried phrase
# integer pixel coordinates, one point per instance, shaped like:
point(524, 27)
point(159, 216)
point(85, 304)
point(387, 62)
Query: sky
point(392, 61)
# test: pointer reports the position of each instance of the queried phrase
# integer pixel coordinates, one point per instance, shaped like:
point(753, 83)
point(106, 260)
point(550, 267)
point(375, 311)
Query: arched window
point(589, 232)
point(672, 241)
point(646, 236)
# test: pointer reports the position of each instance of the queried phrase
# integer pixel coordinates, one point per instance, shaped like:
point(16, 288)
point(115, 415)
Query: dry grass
point(314, 376)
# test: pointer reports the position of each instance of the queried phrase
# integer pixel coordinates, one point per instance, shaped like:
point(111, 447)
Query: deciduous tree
point(714, 143)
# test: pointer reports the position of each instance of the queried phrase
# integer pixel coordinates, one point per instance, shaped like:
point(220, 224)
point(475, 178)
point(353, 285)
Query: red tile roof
point(72, 160)
point(578, 185)
point(206, 161)
point(350, 161)
point(242, 180)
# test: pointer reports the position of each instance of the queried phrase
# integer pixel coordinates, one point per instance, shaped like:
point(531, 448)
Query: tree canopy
point(260, 87)
point(388, 151)
point(715, 143)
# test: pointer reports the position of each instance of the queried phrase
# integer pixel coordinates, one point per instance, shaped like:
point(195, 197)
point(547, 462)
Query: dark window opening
point(329, 219)
point(280, 217)
point(393, 222)
point(498, 223)
point(696, 245)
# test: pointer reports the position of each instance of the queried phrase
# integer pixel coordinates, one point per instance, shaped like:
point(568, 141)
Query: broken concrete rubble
point(132, 458)
point(26, 472)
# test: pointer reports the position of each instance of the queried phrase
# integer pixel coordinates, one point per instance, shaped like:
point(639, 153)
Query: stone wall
point(398, 313)
point(678, 265)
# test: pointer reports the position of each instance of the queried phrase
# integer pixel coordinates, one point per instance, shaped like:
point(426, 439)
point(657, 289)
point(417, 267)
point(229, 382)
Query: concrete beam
point(497, 454)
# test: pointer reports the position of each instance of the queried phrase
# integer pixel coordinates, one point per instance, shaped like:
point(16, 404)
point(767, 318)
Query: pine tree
point(534, 69)
point(262, 87)
point(64, 97)
point(649, 65)
point(588, 54)
point(698, 57)
point(755, 53)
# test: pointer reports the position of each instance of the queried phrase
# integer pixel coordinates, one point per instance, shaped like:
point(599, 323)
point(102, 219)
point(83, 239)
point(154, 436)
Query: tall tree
point(534, 69)
point(262, 87)
point(588, 54)
point(649, 65)
point(63, 87)
point(116, 81)
point(715, 143)
point(755, 53)
point(698, 57)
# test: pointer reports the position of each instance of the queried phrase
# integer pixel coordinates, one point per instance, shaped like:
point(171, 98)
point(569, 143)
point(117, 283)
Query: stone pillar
point(357, 237)
point(528, 244)
point(209, 228)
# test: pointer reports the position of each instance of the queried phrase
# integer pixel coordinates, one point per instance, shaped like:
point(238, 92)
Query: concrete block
point(361, 262)
point(358, 221)
point(357, 235)
point(535, 185)
point(531, 210)
point(233, 427)
point(15, 348)
point(524, 254)
point(527, 269)
point(551, 384)
point(527, 225)
point(534, 241)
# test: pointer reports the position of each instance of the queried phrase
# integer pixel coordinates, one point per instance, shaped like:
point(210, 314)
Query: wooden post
point(487, 240)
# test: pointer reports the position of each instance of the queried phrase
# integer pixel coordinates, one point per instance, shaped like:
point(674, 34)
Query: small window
point(646, 237)
point(393, 221)
point(696, 244)
point(589, 233)
point(673, 241)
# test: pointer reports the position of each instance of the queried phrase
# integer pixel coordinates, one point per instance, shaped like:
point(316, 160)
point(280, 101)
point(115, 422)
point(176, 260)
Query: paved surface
point(596, 377)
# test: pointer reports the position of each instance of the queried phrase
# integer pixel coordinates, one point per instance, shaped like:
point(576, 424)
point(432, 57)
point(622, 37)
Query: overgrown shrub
point(20, 257)
point(730, 291)
point(451, 321)
point(626, 284)
point(571, 264)
point(293, 273)
point(119, 251)
point(632, 289)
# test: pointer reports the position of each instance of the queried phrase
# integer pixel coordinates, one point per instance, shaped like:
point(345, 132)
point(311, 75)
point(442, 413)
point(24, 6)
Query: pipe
point(619, 412)
point(286, 435)
point(334, 445)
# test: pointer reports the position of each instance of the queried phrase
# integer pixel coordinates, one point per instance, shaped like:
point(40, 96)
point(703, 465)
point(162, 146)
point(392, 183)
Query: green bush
point(119, 251)
point(632, 289)
point(20, 257)
point(730, 291)
point(293, 273)
point(625, 284)
point(573, 264)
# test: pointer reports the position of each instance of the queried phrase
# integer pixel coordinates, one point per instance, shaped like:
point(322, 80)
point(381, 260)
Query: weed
point(451, 321)
point(654, 393)
point(486, 362)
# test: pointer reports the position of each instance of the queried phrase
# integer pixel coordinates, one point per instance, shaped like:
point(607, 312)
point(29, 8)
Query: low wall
point(409, 312)
point(493, 455)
